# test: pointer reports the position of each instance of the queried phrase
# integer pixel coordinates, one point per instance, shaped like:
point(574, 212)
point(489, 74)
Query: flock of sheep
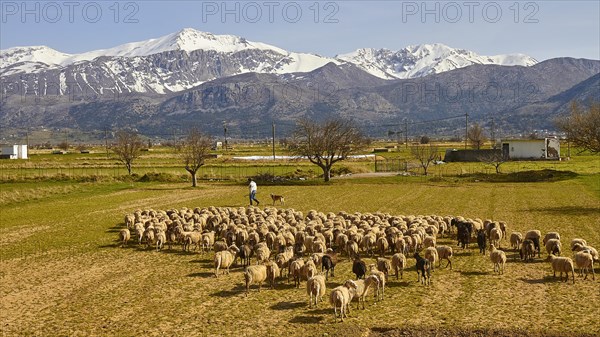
point(288, 243)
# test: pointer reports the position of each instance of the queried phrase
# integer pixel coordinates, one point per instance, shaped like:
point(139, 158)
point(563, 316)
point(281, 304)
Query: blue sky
point(541, 29)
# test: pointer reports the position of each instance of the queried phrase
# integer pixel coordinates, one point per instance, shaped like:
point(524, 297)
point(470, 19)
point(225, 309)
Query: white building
point(547, 148)
point(14, 152)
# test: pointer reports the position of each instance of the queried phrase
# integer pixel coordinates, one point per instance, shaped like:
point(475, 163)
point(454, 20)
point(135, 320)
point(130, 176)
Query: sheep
point(527, 251)
point(161, 238)
point(423, 269)
point(315, 286)
point(255, 275)
point(444, 252)
point(429, 241)
point(262, 253)
point(431, 255)
point(362, 288)
point(307, 271)
point(328, 263)
point(273, 273)
point(550, 235)
point(515, 240)
point(584, 261)
point(382, 246)
point(340, 297)
point(498, 258)
point(225, 258)
point(553, 246)
point(578, 241)
point(139, 231)
point(124, 236)
point(563, 264)
point(359, 268)
point(384, 265)
point(481, 241)
point(581, 248)
point(245, 254)
point(534, 235)
point(381, 278)
point(149, 236)
point(352, 249)
point(495, 236)
point(129, 221)
point(398, 264)
point(295, 269)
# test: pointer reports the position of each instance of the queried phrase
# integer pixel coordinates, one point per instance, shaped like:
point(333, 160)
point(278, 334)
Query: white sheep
point(255, 275)
point(295, 270)
point(444, 252)
point(340, 297)
point(495, 236)
point(515, 240)
point(124, 236)
point(398, 264)
point(431, 254)
point(273, 272)
point(578, 241)
point(362, 288)
point(563, 264)
point(315, 286)
point(379, 294)
point(161, 238)
point(429, 241)
point(498, 258)
point(225, 258)
point(585, 262)
point(550, 235)
point(553, 246)
point(579, 248)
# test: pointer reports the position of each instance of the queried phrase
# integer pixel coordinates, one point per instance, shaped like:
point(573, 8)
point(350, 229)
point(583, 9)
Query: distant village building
point(14, 152)
point(546, 148)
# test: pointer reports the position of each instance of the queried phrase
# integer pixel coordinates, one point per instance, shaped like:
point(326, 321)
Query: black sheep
point(481, 241)
point(328, 262)
point(359, 268)
point(423, 268)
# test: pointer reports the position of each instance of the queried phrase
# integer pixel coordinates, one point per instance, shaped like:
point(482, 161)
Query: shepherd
point(253, 188)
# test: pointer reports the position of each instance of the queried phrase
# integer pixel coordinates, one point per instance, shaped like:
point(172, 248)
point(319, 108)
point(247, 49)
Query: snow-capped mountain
point(425, 59)
point(188, 58)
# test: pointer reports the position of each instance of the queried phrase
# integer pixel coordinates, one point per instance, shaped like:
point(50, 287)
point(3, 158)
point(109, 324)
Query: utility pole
point(27, 137)
point(406, 133)
point(106, 142)
point(466, 129)
point(273, 130)
point(493, 134)
point(225, 134)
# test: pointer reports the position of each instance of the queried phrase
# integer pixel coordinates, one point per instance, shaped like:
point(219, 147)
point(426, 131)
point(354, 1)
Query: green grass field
point(63, 274)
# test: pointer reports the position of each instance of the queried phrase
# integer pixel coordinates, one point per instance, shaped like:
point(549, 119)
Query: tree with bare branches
point(425, 155)
point(327, 143)
point(128, 147)
point(476, 136)
point(194, 151)
point(583, 126)
point(494, 158)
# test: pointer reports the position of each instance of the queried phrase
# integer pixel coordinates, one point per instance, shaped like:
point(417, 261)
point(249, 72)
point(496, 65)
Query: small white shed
point(14, 152)
point(547, 148)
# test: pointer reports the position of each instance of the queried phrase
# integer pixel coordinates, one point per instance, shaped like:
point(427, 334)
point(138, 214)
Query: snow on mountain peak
point(424, 59)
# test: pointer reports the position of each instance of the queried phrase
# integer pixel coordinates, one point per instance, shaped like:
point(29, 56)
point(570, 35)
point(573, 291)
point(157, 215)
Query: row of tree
point(326, 143)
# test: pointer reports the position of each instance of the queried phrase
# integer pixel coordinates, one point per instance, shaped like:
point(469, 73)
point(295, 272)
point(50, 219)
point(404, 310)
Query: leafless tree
point(583, 127)
point(476, 136)
point(425, 155)
point(194, 151)
point(324, 144)
point(128, 147)
point(495, 158)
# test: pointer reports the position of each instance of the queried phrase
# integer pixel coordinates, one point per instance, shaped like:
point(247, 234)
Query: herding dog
point(277, 198)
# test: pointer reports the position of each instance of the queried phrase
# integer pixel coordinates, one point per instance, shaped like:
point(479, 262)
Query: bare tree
point(327, 143)
point(583, 127)
point(425, 155)
point(194, 151)
point(476, 136)
point(128, 147)
point(495, 158)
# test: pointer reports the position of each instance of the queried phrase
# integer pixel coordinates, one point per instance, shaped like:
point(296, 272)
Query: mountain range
point(197, 77)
